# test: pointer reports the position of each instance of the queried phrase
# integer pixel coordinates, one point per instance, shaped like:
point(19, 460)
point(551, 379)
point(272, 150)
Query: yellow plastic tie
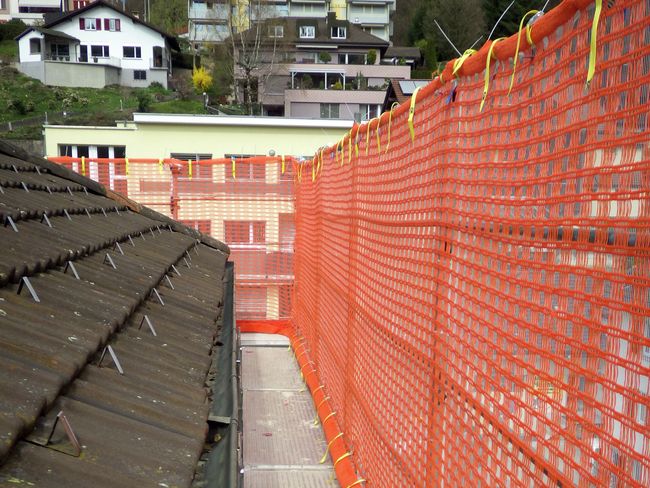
point(313, 169)
point(329, 445)
point(341, 148)
point(390, 121)
point(592, 48)
point(317, 388)
point(234, 168)
point(320, 162)
point(414, 98)
point(487, 73)
point(342, 457)
point(126, 164)
point(368, 136)
point(528, 38)
point(358, 482)
point(328, 417)
point(189, 169)
point(378, 136)
point(458, 63)
point(83, 165)
point(350, 146)
point(318, 406)
point(160, 165)
point(300, 166)
point(283, 170)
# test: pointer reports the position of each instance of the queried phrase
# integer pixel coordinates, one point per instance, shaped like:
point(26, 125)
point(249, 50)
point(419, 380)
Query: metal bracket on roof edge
point(188, 255)
point(72, 437)
point(173, 267)
point(69, 190)
point(151, 230)
point(119, 248)
point(116, 361)
point(67, 214)
point(104, 212)
point(131, 241)
point(117, 210)
point(10, 221)
point(2, 190)
point(159, 231)
point(169, 282)
point(85, 190)
point(186, 263)
point(14, 168)
point(25, 281)
point(46, 219)
point(142, 235)
point(24, 186)
point(71, 265)
point(149, 324)
point(48, 190)
point(110, 260)
point(87, 213)
point(155, 292)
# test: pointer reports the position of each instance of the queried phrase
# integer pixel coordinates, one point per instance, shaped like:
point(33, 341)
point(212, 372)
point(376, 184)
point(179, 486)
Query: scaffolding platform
point(282, 446)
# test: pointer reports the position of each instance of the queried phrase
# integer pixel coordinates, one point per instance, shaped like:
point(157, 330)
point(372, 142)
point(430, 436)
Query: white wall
point(23, 47)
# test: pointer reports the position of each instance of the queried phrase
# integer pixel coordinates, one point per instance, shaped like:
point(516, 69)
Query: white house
point(95, 46)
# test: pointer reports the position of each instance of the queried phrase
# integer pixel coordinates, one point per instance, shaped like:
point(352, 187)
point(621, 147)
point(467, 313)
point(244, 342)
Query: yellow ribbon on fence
point(412, 112)
point(189, 169)
point(592, 47)
point(487, 72)
point(126, 166)
point(83, 165)
point(350, 146)
point(283, 164)
point(358, 482)
point(458, 63)
point(313, 168)
point(390, 121)
point(324, 458)
point(378, 136)
point(368, 136)
point(234, 168)
point(160, 165)
point(530, 42)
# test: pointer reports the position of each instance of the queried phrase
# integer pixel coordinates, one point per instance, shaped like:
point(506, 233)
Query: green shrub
point(144, 101)
point(10, 30)
point(371, 57)
point(324, 57)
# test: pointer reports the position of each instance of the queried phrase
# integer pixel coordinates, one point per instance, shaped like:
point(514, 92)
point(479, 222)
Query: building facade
point(318, 68)
point(211, 21)
point(95, 46)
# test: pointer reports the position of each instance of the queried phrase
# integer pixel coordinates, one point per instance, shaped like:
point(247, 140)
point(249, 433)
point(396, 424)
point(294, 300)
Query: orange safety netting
point(245, 202)
point(473, 282)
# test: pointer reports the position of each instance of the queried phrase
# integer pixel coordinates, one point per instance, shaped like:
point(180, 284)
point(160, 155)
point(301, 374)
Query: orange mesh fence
point(246, 203)
point(473, 280)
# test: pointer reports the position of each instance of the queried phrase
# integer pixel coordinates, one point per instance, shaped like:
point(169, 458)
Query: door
point(83, 54)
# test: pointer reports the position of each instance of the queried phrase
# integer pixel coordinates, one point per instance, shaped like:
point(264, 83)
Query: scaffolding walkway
point(282, 445)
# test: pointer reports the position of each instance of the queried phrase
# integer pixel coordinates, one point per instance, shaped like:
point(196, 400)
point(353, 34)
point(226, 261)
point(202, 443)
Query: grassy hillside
point(24, 98)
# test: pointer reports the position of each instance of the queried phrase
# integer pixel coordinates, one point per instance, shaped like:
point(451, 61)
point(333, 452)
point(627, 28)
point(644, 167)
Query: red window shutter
point(259, 232)
point(98, 24)
point(118, 27)
point(81, 24)
point(107, 24)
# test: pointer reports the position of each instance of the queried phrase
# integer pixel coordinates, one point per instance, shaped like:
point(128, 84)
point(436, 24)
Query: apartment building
point(321, 68)
point(29, 11)
point(209, 20)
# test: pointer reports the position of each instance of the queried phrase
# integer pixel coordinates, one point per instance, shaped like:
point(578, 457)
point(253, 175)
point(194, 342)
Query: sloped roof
point(355, 35)
point(48, 32)
point(101, 3)
point(104, 272)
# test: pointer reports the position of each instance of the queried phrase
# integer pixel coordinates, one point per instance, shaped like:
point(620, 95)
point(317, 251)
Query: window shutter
point(81, 24)
point(118, 27)
point(98, 24)
point(107, 24)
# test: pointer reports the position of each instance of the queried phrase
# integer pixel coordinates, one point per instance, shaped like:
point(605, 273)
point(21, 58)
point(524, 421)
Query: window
point(203, 226)
point(34, 46)
point(112, 25)
point(276, 31)
point(99, 51)
point(90, 24)
point(246, 171)
point(77, 4)
point(139, 74)
point(199, 171)
point(3, 4)
point(60, 51)
point(329, 110)
point(369, 111)
point(245, 232)
point(307, 31)
point(132, 52)
point(338, 32)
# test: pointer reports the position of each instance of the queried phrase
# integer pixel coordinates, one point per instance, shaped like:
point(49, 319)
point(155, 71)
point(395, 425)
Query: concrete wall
point(158, 75)
point(58, 73)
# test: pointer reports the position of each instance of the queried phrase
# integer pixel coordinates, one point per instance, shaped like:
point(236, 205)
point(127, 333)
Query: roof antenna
point(499, 19)
point(447, 37)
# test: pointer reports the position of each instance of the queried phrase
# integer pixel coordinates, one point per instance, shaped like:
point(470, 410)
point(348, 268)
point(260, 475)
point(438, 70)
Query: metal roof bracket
point(116, 361)
point(169, 282)
point(149, 324)
point(71, 265)
point(110, 260)
point(119, 248)
point(155, 292)
point(25, 281)
point(73, 449)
